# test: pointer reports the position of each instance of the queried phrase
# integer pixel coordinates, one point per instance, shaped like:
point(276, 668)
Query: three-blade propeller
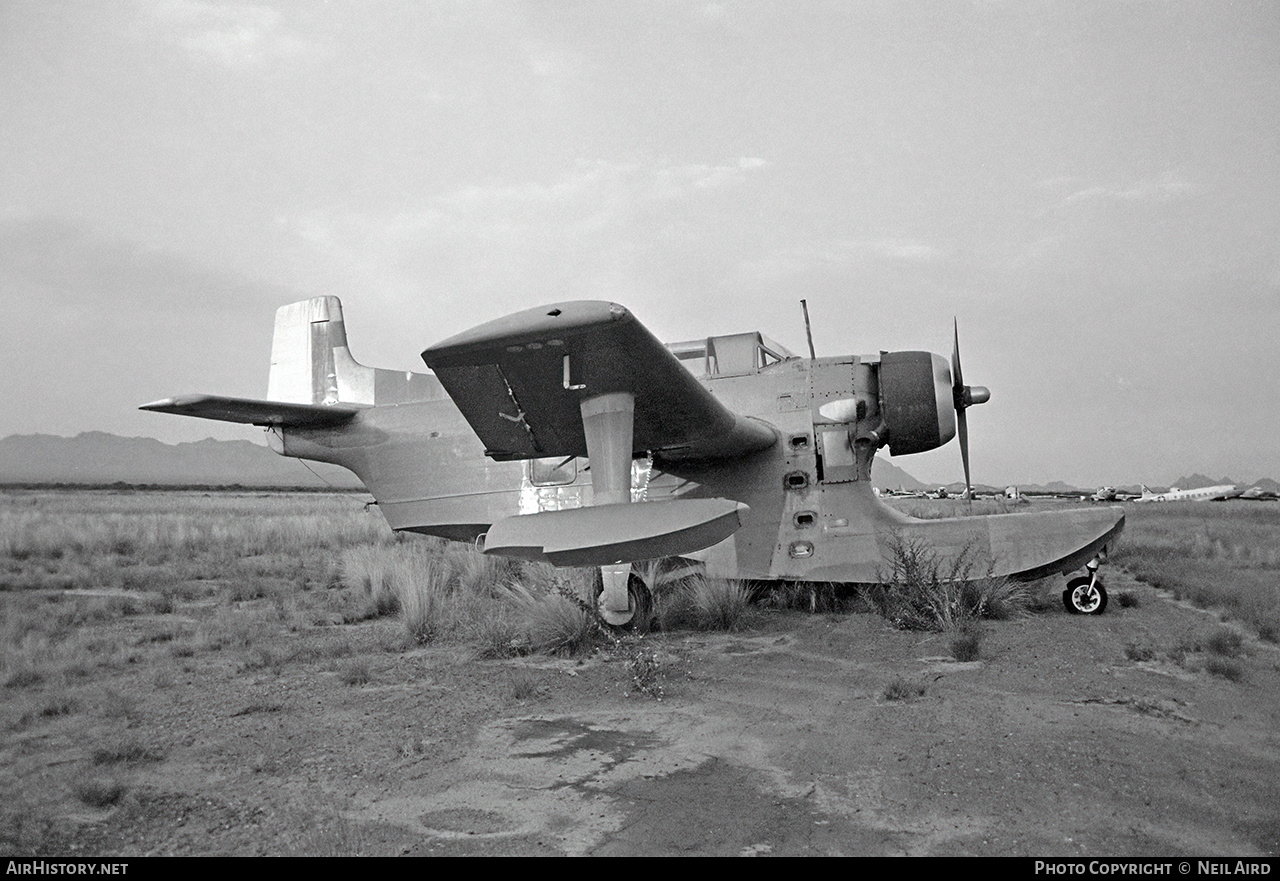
point(965, 396)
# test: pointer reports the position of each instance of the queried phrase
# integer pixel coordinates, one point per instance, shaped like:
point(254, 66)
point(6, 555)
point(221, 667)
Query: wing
point(519, 381)
point(254, 412)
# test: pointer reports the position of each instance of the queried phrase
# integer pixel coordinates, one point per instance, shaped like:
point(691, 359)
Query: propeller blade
point(961, 397)
point(957, 381)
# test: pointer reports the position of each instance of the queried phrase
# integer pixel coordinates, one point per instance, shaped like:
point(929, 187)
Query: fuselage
point(430, 473)
point(813, 513)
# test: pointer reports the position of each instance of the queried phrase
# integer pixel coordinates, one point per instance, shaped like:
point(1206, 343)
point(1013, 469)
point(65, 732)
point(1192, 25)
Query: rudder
point(310, 361)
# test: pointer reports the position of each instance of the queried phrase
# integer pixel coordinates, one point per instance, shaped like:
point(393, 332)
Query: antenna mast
point(807, 332)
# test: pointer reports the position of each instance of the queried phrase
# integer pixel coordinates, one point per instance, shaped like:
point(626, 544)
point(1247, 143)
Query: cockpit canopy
point(735, 354)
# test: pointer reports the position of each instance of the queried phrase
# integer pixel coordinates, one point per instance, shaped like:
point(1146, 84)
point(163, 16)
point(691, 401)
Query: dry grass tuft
point(1139, 653)
point(1226, 668)
point(901, 689)
point(426, 602)
point(966, 644)
point(684, 597)
point(553, 623)
point(718, 603)
point(809, 596)
point(1127, 599)
point(356, 673)
point(523, 685)
point(128, 751)
point(99, 792)
point(58, 705)
point(1225, 642)
point(331, 833)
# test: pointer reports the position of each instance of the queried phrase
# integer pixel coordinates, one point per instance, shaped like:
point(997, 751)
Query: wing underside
point(520, 382)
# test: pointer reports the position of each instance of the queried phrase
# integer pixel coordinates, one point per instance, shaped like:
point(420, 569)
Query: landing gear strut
point(1085, 594)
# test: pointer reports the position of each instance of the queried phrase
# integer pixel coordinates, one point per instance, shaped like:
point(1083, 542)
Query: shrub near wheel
point(1085, 596)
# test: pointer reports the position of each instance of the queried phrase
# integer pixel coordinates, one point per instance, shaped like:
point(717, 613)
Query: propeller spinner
point(965, 396)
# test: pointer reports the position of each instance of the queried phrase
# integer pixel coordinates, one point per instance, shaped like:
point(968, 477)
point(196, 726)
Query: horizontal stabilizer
point(254, 412)
point(621, 533)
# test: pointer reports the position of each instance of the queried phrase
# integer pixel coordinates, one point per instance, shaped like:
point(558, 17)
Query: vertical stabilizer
point(310, 361)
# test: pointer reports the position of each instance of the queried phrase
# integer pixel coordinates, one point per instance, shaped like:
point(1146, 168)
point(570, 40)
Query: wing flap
point(519, 381)
point(250, 411)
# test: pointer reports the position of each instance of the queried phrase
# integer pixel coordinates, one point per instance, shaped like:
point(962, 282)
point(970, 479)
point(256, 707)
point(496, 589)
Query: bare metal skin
point(568, 433)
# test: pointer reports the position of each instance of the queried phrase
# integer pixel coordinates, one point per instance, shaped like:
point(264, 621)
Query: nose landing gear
point(1085, 594)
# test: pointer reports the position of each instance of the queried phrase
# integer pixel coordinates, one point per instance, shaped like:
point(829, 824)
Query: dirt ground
point(779, 740)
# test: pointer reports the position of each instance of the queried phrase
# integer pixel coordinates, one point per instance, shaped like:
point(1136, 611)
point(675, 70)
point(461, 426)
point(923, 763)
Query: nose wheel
point(1085, 594)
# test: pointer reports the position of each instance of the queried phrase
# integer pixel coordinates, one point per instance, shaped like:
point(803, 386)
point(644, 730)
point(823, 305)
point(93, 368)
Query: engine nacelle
point(917, 401)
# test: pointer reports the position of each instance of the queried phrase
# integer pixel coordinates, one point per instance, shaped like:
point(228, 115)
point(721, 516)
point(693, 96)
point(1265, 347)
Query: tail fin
point(314, 381)
point(310, 361)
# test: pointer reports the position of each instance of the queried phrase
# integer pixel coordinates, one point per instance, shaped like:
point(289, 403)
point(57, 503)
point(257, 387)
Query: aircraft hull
point(439, 482)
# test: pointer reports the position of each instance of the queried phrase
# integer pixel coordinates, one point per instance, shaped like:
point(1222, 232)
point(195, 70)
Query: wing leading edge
point(520, 381)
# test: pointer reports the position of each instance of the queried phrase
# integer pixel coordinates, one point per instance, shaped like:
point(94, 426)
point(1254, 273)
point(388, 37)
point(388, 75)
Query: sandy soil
point(778, 740)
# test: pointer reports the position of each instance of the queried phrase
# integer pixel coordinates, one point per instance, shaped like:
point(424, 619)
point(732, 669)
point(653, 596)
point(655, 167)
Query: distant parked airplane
point(1111, 494)
point(1204, 494)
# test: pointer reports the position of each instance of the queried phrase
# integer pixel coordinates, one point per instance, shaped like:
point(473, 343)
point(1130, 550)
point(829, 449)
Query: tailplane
point(314, 381)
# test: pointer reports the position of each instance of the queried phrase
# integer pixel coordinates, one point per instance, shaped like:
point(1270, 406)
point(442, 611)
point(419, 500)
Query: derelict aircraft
point(1204, 494)
point(569, 434)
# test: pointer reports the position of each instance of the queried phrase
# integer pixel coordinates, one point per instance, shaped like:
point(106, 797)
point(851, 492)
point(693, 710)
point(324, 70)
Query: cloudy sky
point(1091, 188)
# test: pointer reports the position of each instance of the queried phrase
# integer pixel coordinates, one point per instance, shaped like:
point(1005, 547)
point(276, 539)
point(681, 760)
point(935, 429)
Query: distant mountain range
point(888, 476)
point(95, 458)
point(1198, 481)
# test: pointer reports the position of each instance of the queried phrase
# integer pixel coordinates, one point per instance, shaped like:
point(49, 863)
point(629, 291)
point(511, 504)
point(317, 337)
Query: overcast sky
point(1092, 189)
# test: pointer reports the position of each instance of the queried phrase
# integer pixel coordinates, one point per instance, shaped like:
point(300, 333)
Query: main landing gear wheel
point(1085, 595)
point(639, 612)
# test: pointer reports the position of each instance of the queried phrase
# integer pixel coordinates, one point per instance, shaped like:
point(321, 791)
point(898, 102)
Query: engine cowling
point(917, 401)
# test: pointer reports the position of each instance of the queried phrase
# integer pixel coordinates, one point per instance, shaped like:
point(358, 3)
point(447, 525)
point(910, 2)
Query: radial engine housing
point(917, 401)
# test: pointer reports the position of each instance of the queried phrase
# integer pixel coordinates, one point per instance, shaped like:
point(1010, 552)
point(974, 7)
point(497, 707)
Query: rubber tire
point(639, 600)
point(1078, 584)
